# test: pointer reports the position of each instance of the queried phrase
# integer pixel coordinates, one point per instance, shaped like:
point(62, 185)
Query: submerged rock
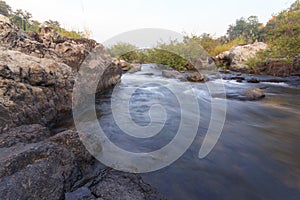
point(188, 76)
point(254, 94)
point(196, 77)
point(247, 95)
point(252, 80)
point(171, 74)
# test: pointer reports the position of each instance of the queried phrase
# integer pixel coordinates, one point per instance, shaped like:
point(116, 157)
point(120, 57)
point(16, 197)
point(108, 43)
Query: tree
point(246, 29)
point(51, 23)
point(17, 18)
point(21, 19)
point(295, 6)
point(283, 32)
point(26, 16)
point(5, 9)
point(209, 43)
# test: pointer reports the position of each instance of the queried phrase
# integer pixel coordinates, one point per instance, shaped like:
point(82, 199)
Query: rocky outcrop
point(237, 56)
point(37, 74)
point(32, 90)
point(39, 90)
point(37, 170)
point(13, 38)
point(71, 51)
point(37, 77)
point(47, 43)
point(42, 166)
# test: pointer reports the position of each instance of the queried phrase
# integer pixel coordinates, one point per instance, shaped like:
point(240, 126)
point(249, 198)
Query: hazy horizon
point(107, 19)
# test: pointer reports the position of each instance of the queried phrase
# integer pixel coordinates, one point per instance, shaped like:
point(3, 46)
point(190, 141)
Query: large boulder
point(237, 56)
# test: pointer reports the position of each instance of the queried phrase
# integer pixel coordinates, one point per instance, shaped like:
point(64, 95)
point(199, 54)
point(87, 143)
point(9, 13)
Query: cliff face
point(37, 74)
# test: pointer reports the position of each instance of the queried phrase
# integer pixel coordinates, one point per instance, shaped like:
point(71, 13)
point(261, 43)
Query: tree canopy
point(283, 32)
point(23, 20)
point(4, 9)
point(246, 29)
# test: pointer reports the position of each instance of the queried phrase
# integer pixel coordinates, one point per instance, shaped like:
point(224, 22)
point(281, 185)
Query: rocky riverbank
point(235, 60)
point(37, 72)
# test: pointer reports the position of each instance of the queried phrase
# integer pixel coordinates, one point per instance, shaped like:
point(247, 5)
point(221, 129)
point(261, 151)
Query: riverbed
point(256, 157)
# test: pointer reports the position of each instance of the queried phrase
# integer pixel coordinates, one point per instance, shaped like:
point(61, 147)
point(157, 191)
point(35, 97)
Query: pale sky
point(111, 17)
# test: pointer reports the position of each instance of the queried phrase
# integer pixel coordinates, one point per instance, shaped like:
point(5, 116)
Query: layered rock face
point(37, 74)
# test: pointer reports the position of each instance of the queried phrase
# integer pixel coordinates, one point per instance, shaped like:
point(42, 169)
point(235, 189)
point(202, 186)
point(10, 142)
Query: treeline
point(281, 33)
point(23, 20)
point(175, 54)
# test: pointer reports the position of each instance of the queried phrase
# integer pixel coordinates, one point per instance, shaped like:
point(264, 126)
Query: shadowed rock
point(60, 167)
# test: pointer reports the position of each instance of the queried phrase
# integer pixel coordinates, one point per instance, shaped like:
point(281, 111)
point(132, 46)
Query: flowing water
point(256, 157)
